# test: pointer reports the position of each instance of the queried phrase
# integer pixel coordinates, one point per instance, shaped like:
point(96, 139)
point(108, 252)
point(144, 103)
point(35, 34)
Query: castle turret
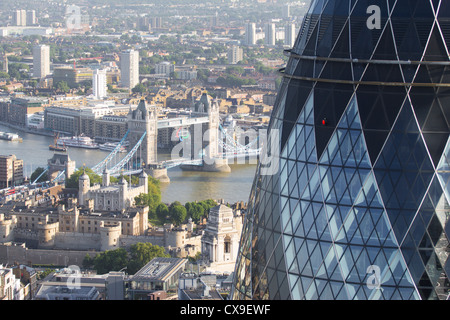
point(143, 181)
point(106, 178)
point(123, 193)
point(47, 233)
point(109, 235)
point(84, 185)
point(7, 226)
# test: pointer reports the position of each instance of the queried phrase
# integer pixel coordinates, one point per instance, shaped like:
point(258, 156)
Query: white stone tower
point(84, 184)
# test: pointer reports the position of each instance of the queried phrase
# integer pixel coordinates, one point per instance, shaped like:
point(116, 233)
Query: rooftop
point(159, 269)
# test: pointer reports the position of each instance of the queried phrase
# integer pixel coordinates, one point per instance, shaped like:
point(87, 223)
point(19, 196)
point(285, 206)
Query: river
point(184, 186)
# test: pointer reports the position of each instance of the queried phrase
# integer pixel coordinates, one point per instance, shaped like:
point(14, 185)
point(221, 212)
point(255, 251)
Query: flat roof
point(159, 269)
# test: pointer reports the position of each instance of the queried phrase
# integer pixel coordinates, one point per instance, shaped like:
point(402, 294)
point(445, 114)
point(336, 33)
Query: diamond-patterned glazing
point(359, 205)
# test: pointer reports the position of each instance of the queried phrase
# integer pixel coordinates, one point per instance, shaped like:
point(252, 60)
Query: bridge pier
point(216, 165)
point(158, 173)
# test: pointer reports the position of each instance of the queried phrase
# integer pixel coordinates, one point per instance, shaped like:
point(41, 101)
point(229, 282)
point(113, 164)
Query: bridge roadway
point(181, 122)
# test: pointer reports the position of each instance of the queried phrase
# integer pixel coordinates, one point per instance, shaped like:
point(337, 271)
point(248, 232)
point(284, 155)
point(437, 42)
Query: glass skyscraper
point(358, 205)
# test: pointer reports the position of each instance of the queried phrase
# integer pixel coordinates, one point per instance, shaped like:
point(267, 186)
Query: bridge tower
point(144, 119)
point(60, 162)
point(208, 134)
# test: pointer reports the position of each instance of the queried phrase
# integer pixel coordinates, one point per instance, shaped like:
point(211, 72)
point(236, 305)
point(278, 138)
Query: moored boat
point(78, 142)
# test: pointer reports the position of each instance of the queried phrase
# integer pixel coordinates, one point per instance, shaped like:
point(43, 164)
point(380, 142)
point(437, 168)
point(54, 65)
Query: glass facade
point(358, 207)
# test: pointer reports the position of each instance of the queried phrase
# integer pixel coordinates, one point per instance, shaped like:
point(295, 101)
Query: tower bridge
point(202, 144)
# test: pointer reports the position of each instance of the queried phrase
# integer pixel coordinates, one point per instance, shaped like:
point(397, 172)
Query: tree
point(37, 173)
point(111, 260)
point(114, 260)
point(207, 204)
point(162, 212)
point(195, 211)
point(151, 199)
point(142, 253)
point(177, 214)
point(139, 88)
point(62, 86)
point(88, 261)
point(94, 178)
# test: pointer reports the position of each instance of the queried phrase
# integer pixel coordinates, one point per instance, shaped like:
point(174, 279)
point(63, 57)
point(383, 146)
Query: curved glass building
point(358, 205)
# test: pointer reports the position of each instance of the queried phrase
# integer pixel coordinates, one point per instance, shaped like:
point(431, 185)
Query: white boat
point(10, 136)
point(78, 142)
point(110, 146)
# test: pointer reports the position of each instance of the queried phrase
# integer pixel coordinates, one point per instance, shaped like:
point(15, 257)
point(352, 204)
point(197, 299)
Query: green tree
point(62, 86)
point(142, 253)
point(139, 88)
point(94, 178)
point(195, 211)
point(177, 214)
point(207, 204)
point(111, 260)
point(36, 174)
point(162, 212)
point(88, 262)
point(151, 199)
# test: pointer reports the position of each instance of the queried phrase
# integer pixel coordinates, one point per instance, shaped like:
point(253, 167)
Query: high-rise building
point(129, 68)
point(250, 34)
point(355, 204)
point(286, 11)
point(235, 54)
point(31, 18)
point(99, 85)
point(5, 62)
point(41, 61)
point(270, 38)
point(11, 171)
point(19, 18)
point(289, 35)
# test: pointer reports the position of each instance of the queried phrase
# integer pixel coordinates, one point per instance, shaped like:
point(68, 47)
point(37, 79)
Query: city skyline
point(224, 150)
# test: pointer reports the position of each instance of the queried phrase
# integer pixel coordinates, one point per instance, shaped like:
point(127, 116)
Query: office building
point(160, 274)
point(64, 292)
point(354, 203)
point(72, 76)
point(289, 35)
point(129, 68)
point(250, 34)
point(165, 68)
point(235, 54)
point(11, 171)
point(270, 38)
point(41, 61)
point(99, 84)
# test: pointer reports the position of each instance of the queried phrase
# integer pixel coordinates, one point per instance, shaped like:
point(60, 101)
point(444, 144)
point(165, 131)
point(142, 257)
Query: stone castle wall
point(13, 253)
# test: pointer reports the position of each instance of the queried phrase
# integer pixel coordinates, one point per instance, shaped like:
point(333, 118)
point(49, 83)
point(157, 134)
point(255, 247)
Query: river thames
point(184, 186)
